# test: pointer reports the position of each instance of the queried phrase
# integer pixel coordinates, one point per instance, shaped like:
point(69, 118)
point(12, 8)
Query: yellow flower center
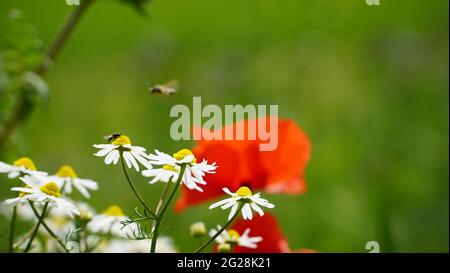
point(234, 235)
point(114, 210)
point(224, 248)
point(181, 154)
point(122, 140)
point(25, 162)
point(66, 171)
point(60, 221)
point(244, 192)
point(169, 168)
point(22, 194)
point(51, 188)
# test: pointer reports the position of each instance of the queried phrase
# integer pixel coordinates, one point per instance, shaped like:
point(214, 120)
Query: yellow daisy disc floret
point(181, 154)
point(168, 167)
point(114, 210)
point(244, 192)
point(122, 140)
point(234, 235)
point(25, 162)
point(51, 188)
point(66, 171)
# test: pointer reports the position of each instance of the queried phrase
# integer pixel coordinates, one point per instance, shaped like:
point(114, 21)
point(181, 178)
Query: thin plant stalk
point(36, 228)
point(161, 201)
point(47, 228)
point(139, 197)
point(221, 230)
point(161, 214)
point(12, 228)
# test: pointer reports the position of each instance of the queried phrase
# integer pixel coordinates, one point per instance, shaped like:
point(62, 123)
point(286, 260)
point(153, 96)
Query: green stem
point(162, 198)
point(12, 229)
point(221, 230)
point(40, 217)
point(47, 228)
point(161, 201)
point(199, 241)
point(20, 103)
point(64, 33)
point(134, 188)
point(160, 216)
point(24, 238)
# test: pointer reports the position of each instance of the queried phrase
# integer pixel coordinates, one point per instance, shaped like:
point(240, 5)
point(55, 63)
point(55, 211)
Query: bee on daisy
point(40, 192)
point(21, 167)
point(68, 179)
point(171, 165)
point(232, 238)
point(121, 147)
point(246, 199)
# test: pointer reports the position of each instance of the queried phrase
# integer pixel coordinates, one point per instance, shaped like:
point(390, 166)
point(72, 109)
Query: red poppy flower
point(241, 163)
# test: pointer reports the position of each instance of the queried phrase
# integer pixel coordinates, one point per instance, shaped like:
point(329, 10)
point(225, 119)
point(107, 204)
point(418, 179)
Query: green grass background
point(368, 84)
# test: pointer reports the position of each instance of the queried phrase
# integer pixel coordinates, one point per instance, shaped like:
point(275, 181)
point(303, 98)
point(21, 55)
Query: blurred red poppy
point(241, 163)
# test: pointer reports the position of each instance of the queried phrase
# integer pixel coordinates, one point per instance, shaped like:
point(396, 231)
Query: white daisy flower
point(67, 179)
point(109, 221)
point(122, 144)
point(193, 174)
point(59, 223)
point(86, 211)
point(39, 192)
point(163, 245)
point(20, 167)
point(243, 196)
point(232, 237)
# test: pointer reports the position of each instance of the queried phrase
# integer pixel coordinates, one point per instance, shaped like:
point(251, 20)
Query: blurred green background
point(369, 85)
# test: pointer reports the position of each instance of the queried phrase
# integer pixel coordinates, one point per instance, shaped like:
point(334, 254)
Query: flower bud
point(198, 229)
point(224, 248)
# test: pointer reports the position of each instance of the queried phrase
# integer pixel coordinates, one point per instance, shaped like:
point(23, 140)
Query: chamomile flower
point(20, 167)
point(86, 211)
point(169, 172)
point(248, 200)
point(42, 192)
point(59, 223)
point(109, 221)
point(67, 178)
point(163, 245)
point(232, 238)
point(131, 154)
